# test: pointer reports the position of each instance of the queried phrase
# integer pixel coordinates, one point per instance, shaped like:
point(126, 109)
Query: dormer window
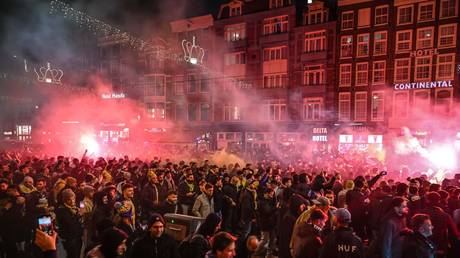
point(276, 3)
point(235, 10)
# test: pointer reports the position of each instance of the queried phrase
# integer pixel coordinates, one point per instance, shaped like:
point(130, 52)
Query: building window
point(235, 10)
point(345, 75)
point(344, 106)
point(275, 110)
point(275, 53)
point(447, 35)
point(426, 11)
point(378, 72)
point(192, 83)
point(346, 46)
point(364, 17)
point(312, 108)
point(232, 113)
point(363, 45)
point(381, 15)
point(276, 25)
point(423, 68)
point(276, 3)
point(179, 84)
point(192, 112)
point(425, 37)
point(315, 41)
point(235, 58)
point(400, 104)
point(443, 102)
point(204, 82)
point(403, 41)
point(156, 110)
point(380, 43)
point(275, 80)
point(448, 8)
point(235, 32)
point(360, 106)
point(378, 108)
point(405, 14)
point(315, 17)
point(155, 85)
point(422, 100)
point(347, 20)
point(362, 73)
point(314, 75)
point(445, 67)
point(402, 70)
point(180, 112)
point(204, 111)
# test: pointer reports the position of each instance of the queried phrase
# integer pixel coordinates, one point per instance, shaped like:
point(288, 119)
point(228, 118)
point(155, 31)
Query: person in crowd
point(127, 201)
point(230, 192)
point(155, 243)
point(170, 205)
point(113, 245)
point(47, 243)
point(27, 186)
point(393, 225)
point(223, 245)
point(248, 207)
point(308, 238)
point(443, 224)
point(204, 203)
point(297, 205)
point(417, 243)
point(70, 224)
point(150, 195)
point(355, 200)
point(342, 242)
point(199, 243)
point(267, 222)
point(188, 191)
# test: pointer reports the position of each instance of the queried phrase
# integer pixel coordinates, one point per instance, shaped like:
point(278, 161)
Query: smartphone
point(45, 224)
point(82, 205)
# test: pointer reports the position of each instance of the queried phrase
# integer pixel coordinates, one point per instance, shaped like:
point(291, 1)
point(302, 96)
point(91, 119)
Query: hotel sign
point(423, 85)
point(424, 52)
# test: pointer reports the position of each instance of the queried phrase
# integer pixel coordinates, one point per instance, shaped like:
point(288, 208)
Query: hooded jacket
point(342, 243)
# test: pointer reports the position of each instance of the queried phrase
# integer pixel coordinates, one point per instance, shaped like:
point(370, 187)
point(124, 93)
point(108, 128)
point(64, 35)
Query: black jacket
point(150, 198)
point(416, 245)
point(70, 224)
point(309, 243)
point(149, 247)
point(390, 235)
point(182, 193)
point(267, 214)
point(342, 243)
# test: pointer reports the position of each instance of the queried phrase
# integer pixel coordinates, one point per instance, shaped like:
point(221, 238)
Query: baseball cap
point(343, 215)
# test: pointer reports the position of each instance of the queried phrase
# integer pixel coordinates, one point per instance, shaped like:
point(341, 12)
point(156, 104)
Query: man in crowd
point(204, 203)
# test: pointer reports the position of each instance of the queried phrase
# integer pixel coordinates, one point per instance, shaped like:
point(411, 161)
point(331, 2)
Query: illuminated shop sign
point(423, 85)
point(113, 96)
point(320, 130)
point(321, 137)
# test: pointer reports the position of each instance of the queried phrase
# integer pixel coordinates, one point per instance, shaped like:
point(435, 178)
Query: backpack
point(188, 246)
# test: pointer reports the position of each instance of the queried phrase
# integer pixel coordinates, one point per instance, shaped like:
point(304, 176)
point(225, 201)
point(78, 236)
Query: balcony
point(276, 37)
point(313, 89)
point(313, 57)
point(234, 44)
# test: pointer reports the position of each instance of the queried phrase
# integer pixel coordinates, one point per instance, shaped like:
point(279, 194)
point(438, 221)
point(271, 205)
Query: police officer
point(342, 242)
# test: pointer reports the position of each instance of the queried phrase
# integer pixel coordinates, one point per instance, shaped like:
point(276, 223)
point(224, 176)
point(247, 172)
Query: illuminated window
point(445, 67)
point(312, 108)
point(275, 80)
point(425, 37)
point(276, 25)
point(315, 41)
point(405, 14)
point(426, 11)
point(345, 75)
point(347, 20)
point(447, 36)
point(448, 8)
point(378, 72)
point(378, 108)
point(344, 106)
point(381, 15)
point(362, 73)
point(402, 70)
point(423, 68)
point(346, 46)
point(156, 110)
point(232, 113)
point(362, 45)
point(235, 32)
point(403, 41)
point(314, 75)
point(380, 43)
point(360, 106)
point(400, 104)
point(275, 53)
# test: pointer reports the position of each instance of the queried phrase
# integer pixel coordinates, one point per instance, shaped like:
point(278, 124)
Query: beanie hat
point(111, 239)
point(66, 194)
point(154, 218)
point(70, 181)
point(343, 215)
point(87, 190)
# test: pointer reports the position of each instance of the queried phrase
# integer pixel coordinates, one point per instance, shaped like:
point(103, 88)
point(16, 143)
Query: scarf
point(72, 209)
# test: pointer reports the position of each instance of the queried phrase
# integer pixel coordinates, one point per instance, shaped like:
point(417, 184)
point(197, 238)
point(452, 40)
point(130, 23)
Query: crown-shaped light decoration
point(193, 53)
point(48, 75)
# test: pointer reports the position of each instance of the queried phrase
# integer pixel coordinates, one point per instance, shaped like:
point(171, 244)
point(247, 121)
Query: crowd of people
point(327, 206)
